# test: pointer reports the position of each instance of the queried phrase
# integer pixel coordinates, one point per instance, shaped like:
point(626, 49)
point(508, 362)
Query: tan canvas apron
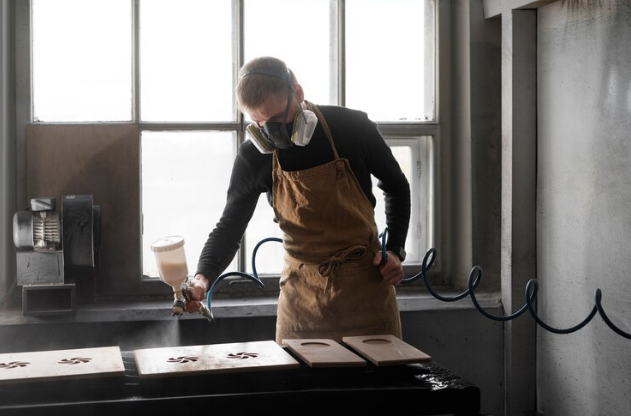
point(329, 287)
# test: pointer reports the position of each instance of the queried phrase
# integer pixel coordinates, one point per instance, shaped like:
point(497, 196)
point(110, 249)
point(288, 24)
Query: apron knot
point(330, 266)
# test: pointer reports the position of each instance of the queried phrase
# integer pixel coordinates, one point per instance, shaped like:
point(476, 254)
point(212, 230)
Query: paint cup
point(171, 260)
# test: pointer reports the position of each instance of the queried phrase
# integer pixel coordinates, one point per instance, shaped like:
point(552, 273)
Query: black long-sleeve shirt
point(356, 138)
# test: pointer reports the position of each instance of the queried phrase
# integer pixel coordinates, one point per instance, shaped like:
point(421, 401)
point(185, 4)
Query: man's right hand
point(196, 292)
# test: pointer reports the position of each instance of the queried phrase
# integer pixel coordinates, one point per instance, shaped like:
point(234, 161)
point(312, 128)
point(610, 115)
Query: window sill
point(410, 300)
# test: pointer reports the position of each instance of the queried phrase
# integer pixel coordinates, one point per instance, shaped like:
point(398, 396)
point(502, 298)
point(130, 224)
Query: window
point(170, 67)
point(82, 57)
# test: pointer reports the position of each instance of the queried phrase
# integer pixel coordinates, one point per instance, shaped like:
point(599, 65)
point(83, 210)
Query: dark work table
point(409, 389)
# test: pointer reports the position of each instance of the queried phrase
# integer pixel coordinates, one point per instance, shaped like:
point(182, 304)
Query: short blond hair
point(261, 78)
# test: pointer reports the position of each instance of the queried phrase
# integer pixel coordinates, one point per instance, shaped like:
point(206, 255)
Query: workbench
point(410, 389)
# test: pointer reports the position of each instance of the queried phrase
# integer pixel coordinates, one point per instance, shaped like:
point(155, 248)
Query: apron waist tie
point(330, 265)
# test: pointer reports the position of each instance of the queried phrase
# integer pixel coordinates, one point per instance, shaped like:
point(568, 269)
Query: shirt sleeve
point(382, 164)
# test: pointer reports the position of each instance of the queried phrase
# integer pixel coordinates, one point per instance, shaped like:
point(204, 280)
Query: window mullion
point(238, 51)
point(135, 18)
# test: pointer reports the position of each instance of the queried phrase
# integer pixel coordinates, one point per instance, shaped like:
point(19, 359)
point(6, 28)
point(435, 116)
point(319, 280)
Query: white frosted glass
point(82, 60)
point(269, 257)
point(404, 156)
point(386, 59)
point(185, 177)
point(186, 61)
point(299, 33)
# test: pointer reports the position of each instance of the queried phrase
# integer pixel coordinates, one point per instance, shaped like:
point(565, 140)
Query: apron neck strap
point(325, 126)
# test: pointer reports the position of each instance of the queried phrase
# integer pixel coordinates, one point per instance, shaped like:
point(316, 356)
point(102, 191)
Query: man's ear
point(299, 92)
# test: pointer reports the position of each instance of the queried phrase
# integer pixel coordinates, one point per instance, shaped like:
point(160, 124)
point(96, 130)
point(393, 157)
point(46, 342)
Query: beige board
point(324, 353)
point(101, 159)
point(61, 365)
point(215, 358)
point(385, 350)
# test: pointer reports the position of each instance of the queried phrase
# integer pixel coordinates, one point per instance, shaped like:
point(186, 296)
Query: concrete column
point(519, 168)
point(7, 152)
point(460, 165)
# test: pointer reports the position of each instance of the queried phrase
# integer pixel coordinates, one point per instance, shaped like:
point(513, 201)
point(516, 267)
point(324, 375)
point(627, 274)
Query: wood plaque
point(385, 349)
point(216, 358)
point(324, 353)
point(61, 365)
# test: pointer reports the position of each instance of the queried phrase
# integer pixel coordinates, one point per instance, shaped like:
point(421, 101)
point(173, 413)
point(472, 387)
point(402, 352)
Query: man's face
point(274, 110)
point(275, 118)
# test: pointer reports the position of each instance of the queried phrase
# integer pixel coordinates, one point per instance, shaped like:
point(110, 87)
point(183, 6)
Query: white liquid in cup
point(173, 273)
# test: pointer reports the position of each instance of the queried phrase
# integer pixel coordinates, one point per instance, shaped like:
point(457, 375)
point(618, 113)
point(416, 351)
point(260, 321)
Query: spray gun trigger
point(187, 291)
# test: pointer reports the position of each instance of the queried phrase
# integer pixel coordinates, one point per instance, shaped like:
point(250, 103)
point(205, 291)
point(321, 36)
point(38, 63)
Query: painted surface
point(583, 200)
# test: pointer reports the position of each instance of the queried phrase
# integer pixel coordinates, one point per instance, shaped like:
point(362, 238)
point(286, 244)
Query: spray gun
point(173, 270)
point(185, 293)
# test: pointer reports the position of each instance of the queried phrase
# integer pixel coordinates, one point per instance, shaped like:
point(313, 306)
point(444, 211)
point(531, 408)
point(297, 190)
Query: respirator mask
point(274, 135)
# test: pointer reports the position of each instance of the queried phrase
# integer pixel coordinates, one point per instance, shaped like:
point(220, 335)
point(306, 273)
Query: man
point(315, 164)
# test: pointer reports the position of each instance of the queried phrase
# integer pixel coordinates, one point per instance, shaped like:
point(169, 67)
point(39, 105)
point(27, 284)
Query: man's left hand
point(392, 270)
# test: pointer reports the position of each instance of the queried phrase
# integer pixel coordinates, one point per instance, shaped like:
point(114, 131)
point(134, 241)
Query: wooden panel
point(102, 161)
point(324, 353)
point(385, 349)
point(216, 358)
point(61, 364)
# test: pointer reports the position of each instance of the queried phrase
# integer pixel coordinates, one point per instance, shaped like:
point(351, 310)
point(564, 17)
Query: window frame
point(391, 131)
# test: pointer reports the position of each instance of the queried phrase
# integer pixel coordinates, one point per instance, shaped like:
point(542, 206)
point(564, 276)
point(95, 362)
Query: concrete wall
point(485, 54)
point(583, 205)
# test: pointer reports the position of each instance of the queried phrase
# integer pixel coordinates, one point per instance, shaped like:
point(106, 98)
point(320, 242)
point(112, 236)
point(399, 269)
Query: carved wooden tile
point(216, 358)
point(61, 365)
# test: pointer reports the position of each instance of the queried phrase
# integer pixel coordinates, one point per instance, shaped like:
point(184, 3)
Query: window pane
point(82, 60)
point(83, 72)
point(185, 178)
point(269, 256)
point(390, 59)
point(307, 48)
point(299, 33)
point(415, 158)
point(186, 61)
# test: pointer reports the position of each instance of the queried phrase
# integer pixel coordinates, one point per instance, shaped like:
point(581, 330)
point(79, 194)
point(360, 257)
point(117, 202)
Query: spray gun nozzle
point(178, 307)
point(203, 309)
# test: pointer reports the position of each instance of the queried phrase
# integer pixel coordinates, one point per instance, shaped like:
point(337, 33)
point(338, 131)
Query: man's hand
point(196, 293)
point(392, 271)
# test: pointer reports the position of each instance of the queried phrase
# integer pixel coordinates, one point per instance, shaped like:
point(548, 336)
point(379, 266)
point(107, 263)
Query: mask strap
point(271, 72)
